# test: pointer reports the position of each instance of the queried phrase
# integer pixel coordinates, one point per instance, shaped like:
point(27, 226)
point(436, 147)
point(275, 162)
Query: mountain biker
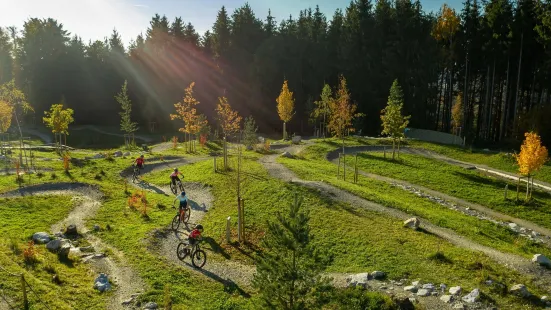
point(183, 200)
point(195, 235)
point(140, 162)
point(174, 176)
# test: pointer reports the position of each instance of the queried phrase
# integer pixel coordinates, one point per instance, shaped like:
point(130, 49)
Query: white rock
point(429, 286)
point(446, 298)
point(150, 306)
point(126, 154)
point(410, 288)
point(98, 156)
point(287, 155)
point(412, 223)
point(542, 260)
point(359, 279)
point(117, 154)
point(513, 226)
point(519, 290)
point(455, 290)
point(472, 297)
point(443, 287)
point(459, 306)
point(423, 292)
point(127, 302)
point(261, 139)
point(377, 275)
point(544, 298)
point(415, 283)
point(296, 139)
point(41, 237)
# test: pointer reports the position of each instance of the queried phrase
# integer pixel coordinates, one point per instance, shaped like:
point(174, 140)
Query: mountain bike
point(181, 217)
point(198, 256)
point(174, 187)
point(135, 173)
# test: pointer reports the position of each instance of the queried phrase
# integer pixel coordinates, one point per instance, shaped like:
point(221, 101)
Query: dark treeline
point(492, 59)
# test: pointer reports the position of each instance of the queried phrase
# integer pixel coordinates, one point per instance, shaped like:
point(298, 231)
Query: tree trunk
point(393, 144)
point(284, 131)
point(515, 106)
point(486, 103)
point(527, 187)
point(491, 104)
point(505, 112)
point(465, 92)
point(439, 103)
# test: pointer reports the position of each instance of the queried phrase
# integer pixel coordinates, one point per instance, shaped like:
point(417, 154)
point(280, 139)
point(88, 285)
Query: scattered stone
point(520, 290)
point(415, 283)
point(127, 302)
point(404, 303)
point(71, 230)
point(261, 139)
point(359, 279)
point(412, 223)
point(410, 288)
point(117, 154)
point(96, 227)
point(423, 292)
point(447, 298)
point(489, 282)
point(378, 275)
point(413, 300)
point(542, 260)
point(54, 245)
point(513, 226)
point(429, 286)
point(459, 306)
point(64, 251)
point(286, 155)
point(150, 306)
point(126, 154)
point(434, 293)
point(443, 287)
point(98, 156)
point(472, 297)
point(296, 139)
point(102, 283)
point(87, 249)
point(41, 238)
point(455, 290)
point(544, 298)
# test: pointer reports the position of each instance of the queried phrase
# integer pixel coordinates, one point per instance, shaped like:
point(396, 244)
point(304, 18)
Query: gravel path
point(430, 154)
point(127, 280)
point(539, 275)
point(96, 129)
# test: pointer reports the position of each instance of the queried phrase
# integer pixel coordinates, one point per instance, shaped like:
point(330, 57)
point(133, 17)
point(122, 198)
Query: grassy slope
point(470, 185)
point(356, 239)
point(20, 218)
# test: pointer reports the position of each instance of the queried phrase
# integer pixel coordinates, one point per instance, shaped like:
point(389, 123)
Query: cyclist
point(140, 161)
point(195, 235)
point(183, 200)
point(174, 176)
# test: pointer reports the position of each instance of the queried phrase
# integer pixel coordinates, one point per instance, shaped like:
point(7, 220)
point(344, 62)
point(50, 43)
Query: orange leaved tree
point(285, 106)
point(6, 114)
point(342, 112)
point(230, 122)
point(531, 158)
point(186, 111)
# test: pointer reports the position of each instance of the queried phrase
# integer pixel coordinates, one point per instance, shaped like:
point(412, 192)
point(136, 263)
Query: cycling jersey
point(175, 174)
point(139, 161)
point(183, 201)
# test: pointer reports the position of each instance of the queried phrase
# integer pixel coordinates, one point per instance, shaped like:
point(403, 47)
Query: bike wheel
point(134, 177)
point(187, 214)
point(199, 258)
point(176, 222)
point(181, 187)
point(173, 188)
point(181, 251)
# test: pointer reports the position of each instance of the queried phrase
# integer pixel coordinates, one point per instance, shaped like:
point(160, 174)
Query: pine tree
point(249, 132)
point(127, 125)
point(288, 272)
point(392, 119)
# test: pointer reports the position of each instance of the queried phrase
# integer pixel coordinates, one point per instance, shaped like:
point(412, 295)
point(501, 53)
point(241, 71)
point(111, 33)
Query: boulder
point(455, 290)
point(412, 223)
point(459, 306)
point(415, 283)
point(410, 288)
point(150, 306)
point(423, 292)
point(296, 139)
point(117, 154)
point(54, 245)
point(544, 298)
point(126, 154)
point(446, 298)
point(102, 283)
point(429, 286)
point(513, 226)
point(71, 230)
point(98, 156)
point(96, 227)
point(261, 140)
point(519, 290)
point(359, 279)
point(41, 238)
point(542, 260)
point(287, 155)
point(378, 275)
point(472, 297)
point(64, 251)
point(443, 287)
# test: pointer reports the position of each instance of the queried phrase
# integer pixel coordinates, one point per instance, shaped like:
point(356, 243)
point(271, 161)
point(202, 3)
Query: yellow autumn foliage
point(6, 111)
point(285, 103)
point(532, 154)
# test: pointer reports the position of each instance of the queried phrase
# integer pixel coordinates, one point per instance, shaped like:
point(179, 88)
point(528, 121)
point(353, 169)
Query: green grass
point(498, 160)
point(21, 217)
point(357, 240)
point(470, 185)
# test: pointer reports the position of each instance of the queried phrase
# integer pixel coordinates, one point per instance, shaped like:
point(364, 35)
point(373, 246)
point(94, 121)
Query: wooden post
point(228, 230)
point(339, 168)
point(384, 151)
point(355, 168)
point(239, 219)
point(214, 163)
point(243, 218)
point(344, 166)
point(518, 187)
point(24, 289)
point(505, 194)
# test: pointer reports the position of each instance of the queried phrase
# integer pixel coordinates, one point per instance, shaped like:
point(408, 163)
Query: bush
point(30, 255)
point(249, 132)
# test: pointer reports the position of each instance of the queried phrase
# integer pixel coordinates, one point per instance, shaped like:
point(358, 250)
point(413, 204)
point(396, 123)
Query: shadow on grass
point(216, 248)
point(440, 258)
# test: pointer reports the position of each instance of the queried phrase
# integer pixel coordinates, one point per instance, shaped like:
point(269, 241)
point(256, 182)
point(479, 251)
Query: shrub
point(66, 162)
point(203, 140)
point(138, 201)
point(30, 255)
point(53, 176)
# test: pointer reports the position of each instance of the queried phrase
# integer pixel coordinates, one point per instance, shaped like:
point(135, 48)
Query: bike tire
point(187, 215)
point(182, 189)
point(134, 177)
point(176, 222)
point(173, 188)
point(199, 259)
point(181, 251)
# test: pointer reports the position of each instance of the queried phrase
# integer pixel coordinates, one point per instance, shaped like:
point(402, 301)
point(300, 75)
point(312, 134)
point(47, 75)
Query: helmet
point(175, 169)
point(199, 227)
point(183, 193)
point(141, 156)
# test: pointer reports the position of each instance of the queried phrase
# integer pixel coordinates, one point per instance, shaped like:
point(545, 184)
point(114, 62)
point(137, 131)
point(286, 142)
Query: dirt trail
point(433, 155)
point(539, 275)
point(485, 210)
point(88, 202)
point(99, 130)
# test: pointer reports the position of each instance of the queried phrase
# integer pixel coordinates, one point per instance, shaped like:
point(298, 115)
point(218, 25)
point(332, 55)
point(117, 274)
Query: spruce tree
point(289, 270)
point(249, 132)
point(127, 125)
point(394, 122)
